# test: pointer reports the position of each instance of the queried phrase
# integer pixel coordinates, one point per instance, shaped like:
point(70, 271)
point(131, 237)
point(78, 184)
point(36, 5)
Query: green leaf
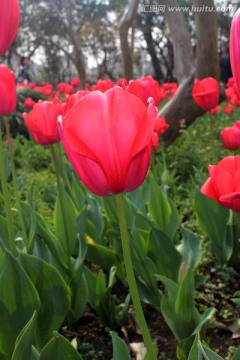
point(236, 355)
point(210, 355)
point(178, 308)
point(95, 221)
point(190, 249)
point(18, 301)
point(3, 232)
point(164, 254)
point(158, 205)
point(68, 240)
point(91, 285)
point(120, 350)
point(200, 351)
point(195, 353)
point(51, 241)
point(59, 348)
point(23, 346)
point(213, 219)
point(104, 257)
point(79, 295)
point(53, 293)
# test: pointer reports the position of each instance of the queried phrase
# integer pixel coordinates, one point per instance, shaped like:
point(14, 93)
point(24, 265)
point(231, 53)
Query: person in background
point(25, 73)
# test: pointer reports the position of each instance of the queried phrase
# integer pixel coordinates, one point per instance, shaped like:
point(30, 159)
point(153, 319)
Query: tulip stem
point(60, 194)
point(151, 351)
point(211, 119)
point(6, 199)
point(14, 177)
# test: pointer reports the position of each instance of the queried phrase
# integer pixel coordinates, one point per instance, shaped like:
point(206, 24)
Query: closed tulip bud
point(9, 21)
point(8, 96)
point(107, 138)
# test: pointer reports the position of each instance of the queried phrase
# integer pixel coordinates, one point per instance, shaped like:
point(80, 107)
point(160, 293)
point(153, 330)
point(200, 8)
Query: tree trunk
point(125, 23)
point(207, 53)
point(182, 106)
point(147, 33)
point(183, 56)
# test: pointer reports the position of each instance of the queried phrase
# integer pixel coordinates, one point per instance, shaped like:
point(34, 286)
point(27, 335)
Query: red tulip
point(223, 185)
point(42, 122)
point(8, 97)
point(161, 126)
point(145, 88)
point(230, 137)
point(29, 103)
point(107, 138)
point(206, 93)
point(75, 82)
point(228, 109)
point(72, 100)
point(155, 141)
point(235, 49)
point(103, 85)
point(215, 110)
point(9, 20)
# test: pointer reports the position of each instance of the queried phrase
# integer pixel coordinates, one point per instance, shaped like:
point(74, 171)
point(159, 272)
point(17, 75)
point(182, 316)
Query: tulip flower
point(228, 109)
point(42, 122)
point(145, 88)
point(29, 103)
point(103, 85)
point(107, 138)
point(223, 184)
point(75, 82)
point(8, 98)
point(9, 21)
point(161, 126)
point(215, 110)
point(206, 93)
point(235, 49)
point(155, 141)
point(230, 137)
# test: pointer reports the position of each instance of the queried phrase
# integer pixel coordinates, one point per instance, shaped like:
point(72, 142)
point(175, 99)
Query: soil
point(95, 343)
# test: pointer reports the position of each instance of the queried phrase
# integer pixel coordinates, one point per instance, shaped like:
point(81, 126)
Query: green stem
point(151, 352)
point(6, 199)
point(60, 194)
point(212, 155)
point(15, 185)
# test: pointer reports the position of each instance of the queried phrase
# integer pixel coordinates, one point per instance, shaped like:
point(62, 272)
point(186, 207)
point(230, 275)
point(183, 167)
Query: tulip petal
point(231, 201)
point(207, 189)
point(222, 182)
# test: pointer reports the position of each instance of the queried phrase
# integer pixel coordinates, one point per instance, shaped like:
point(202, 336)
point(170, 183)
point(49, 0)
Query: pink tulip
point(42, 122)
point(9, 20)
point(235, 49)
point(8, 96)
point(107, 138)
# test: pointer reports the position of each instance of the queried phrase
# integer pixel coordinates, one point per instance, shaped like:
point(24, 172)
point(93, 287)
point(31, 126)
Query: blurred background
point(95, 39)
